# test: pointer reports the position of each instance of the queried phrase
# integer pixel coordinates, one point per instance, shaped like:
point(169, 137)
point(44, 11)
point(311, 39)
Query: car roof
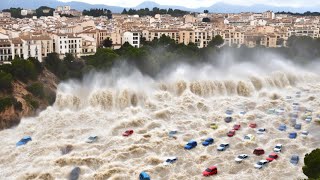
point(258, 149)
point(243, 155)
point(263, 160)
point(273, 153)
point(212, 167)
point(278, 144)
point(172, 157)
point(26, 137)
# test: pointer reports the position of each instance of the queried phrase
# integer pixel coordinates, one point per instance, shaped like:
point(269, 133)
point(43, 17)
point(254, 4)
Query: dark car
point(127, 132)
point(293, 135)
point(294, 159)
point(190, 145)
point(228, 119)
point(208, 141)
point(75, 173)
point(258, 151)
point(236, 127)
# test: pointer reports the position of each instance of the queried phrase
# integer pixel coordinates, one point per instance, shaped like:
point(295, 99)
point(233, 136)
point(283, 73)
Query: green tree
point(5, 81)
point(216, 41)
point(206, 19)
point(23, 70)
point(206, 11)
point(124, 11)
point(36, 89)
point(103, 59)
point(311, 166)
point(107, 42)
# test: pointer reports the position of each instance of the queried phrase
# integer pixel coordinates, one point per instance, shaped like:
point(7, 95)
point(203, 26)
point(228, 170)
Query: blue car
point(207, 142)
point(144, 176)
point(191, 144)
point(24, 141)
point(294, 159)
point(293, 135)
point(282, 127)
point(297, 126)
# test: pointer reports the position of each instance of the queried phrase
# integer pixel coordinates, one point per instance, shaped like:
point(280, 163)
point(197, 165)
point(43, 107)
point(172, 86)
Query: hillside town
point(81, 35)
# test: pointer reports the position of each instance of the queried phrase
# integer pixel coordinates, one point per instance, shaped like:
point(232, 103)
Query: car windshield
point(209, 170)
point(246, 137)
point(259, 163)
point(168, 160)
point(92, 138)
point(261, 130)
point(241, 157)
point(278, 147)
point(272, 156)
point(222, 145)
point(208, 140)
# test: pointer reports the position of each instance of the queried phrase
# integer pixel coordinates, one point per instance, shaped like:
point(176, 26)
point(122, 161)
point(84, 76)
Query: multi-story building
point(132, 38)
point(67, 43)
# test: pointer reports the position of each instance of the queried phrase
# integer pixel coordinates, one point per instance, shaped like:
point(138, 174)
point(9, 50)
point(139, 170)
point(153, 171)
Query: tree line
point(154, 11)
point(308, 13)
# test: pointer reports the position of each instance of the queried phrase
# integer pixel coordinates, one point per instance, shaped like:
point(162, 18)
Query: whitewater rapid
point(187, 99)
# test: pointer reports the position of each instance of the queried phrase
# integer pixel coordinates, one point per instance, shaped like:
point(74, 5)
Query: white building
point(67, 43)
point(132, 38)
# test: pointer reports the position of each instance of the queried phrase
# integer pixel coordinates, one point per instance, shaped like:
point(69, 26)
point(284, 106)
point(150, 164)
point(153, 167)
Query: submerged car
point(272, 157)
point(208, 141)
point(75, 173)
point(190, 145)
point(292, 135)
point(241, 157)
point(92, 139)
point(304, 133)
point(24, 140)
point(261, 131)
point(128, 132)
point(213, 126)
point(172, 133)
point(223, 146)
point(261, 164)
point(294, 159)
point(258, 151)
point(144, 176)
point(236, 127)
point(253, 125)
point(170, 160)
point(210, 171)
point(228, 119)
point(277, 148)
point(297, 126)
point(249, 137)
point(231, 133)
point(308, 119)
point(282, 127)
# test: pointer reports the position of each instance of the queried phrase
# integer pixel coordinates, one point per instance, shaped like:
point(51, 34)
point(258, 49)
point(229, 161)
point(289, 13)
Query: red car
point(236, 127)
point(258, 151)
point(272, 157)
point(231, 133)
point(253, 125)
point(210, 171)
point(127, 132)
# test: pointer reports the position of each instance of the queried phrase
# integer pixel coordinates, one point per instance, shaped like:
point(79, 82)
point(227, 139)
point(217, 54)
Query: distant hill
point(215, 8)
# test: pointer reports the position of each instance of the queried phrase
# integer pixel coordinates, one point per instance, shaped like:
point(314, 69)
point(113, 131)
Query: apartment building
point(156, 34)
point(67, 43)
point(5, 48)
point(132, 38)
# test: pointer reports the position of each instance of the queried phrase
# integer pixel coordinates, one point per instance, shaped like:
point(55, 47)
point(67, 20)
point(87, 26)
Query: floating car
point(213, 126)
point(272, 157)
point(170, 160)
point(258, 151)
point(297, 126)
point(261, 131)
point(308, 119)
point(241, 113)
point(271, 111)
point(249, 137)
point(223, 146)
point(128, 132)
point(210, 171)
point(292, 135)
point(241, 157)
point(144, 176)
point(253, 125)
point(75, 173)
point(282, 127)
point(304, 133)
point(172, 133)
point(277, 148)
point(190, 145)
point(231, 133)
point(24, 141)
point(208, 141)
point(92, 139)
point(229, 112)
point(228, 119)
point(236, 127)
point(294, 159)
point(261, 164)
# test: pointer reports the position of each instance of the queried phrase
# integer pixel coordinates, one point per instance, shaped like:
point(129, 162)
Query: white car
point(277, 148)
point(304, 133)
point(308, 119)
point(170, 160)
point(261, 164)
point(241, 157)
point(261, 131)
point(223, 146)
